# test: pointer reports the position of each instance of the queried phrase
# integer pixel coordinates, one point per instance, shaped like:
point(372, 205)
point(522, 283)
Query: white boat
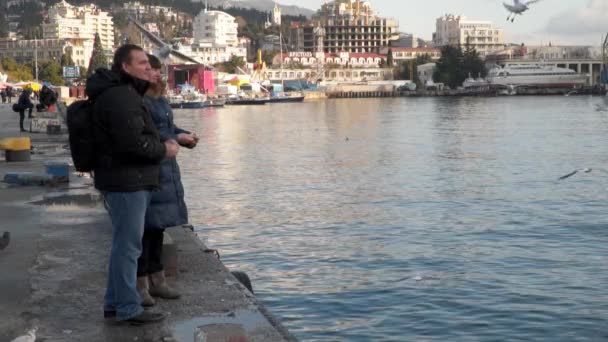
point(475, 83)
point(190, 97)
point(536, 75)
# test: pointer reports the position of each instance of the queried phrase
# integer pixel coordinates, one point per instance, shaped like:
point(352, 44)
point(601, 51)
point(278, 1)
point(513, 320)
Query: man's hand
point(188, 140)
point(172, 148)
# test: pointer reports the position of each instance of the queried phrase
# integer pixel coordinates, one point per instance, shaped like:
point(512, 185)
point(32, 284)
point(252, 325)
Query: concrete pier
point(54, 268)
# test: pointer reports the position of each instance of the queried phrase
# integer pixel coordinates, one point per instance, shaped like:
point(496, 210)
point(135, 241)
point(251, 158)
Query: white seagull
point(29, 337)
point(518, 7)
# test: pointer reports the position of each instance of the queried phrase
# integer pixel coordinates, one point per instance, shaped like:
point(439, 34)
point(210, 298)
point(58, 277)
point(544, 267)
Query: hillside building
point(78, 25)
point(344, 26)
point(23, 51)
point(215, 27)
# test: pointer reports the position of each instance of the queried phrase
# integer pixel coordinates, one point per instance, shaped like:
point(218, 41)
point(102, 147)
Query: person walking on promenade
point(24, 103)
point(3, 95)
point(129, 152)
point(9, 94)
point(167, 207)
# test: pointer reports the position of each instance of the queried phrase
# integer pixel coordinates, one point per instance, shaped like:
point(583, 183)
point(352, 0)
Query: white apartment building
point(48, 49)
point(79, 23)
point(453, 30)
point(276, 15)
point(216, 28)
point(209, 54)
point(136, 9)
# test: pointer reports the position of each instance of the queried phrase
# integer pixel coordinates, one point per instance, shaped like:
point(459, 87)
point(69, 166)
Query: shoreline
point(54, 269)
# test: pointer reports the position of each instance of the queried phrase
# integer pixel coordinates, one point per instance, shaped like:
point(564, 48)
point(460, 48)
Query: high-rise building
point(216, 28)
point(215, 38)
point(276, 15)
point(67, 21)
point(348, 26)
point(79, 24)
point(458, 30)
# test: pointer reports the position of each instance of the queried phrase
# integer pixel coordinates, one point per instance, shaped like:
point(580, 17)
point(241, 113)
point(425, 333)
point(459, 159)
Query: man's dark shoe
point(145, 318)
point(109, 314)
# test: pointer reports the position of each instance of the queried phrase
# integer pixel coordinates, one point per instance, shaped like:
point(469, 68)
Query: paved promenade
point(54, 269)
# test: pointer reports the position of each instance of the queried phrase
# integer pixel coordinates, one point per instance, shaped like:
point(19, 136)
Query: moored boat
point(537, 75)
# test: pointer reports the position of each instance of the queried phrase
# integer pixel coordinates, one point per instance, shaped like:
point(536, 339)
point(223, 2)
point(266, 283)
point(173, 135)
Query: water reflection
point(392, 219)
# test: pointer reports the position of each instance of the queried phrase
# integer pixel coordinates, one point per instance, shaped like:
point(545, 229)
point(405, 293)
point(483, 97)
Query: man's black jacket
point(127, 143)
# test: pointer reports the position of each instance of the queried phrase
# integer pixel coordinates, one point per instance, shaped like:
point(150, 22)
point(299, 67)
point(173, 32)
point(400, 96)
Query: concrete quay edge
point(54, 269)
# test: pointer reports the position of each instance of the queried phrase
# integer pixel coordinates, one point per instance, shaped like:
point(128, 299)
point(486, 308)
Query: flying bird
point(29, 337)
point(164, 49)
point(517, 7)
point(586, 170)
point(6, 238)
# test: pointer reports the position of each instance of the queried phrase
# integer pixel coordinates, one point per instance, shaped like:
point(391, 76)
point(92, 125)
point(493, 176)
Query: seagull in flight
point(585, 170)
point(29, 337)
point(517, 7)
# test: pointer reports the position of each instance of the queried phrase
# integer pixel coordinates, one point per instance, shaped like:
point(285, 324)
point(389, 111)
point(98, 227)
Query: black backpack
point(80, 130)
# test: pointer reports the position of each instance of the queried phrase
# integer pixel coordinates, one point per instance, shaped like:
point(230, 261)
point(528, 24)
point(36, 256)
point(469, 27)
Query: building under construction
point(344, 26)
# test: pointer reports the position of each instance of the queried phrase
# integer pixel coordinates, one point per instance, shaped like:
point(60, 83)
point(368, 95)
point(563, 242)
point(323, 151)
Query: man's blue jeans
point(127, 211)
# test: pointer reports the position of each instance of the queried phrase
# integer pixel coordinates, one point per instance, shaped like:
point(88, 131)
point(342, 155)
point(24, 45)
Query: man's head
point(132, 60)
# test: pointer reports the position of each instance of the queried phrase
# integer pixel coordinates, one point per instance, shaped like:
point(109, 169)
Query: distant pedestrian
point(167, 207)
point(128, 153)
point(24, 103)
point(3, 95)
point(10, 93)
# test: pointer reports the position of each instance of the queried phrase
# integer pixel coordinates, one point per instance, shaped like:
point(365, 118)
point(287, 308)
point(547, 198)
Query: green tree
point(17, 72)
point(268, 56)
point(66, 59)
point(389, 59)
point(449, 67)
point(98, 58)
point(233, 64)
point(50, 71)
point(472, 63)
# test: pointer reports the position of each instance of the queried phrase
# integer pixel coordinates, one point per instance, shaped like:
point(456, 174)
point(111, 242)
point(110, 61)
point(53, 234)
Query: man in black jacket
point(129, 152)
point(25, 103)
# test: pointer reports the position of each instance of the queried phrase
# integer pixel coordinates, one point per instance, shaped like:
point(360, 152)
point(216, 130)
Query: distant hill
point(260, 5)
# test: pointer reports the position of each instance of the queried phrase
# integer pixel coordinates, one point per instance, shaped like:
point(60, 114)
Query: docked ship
point(536, 75)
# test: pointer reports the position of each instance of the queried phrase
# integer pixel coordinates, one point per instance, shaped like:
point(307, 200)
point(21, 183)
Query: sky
point(561, 22)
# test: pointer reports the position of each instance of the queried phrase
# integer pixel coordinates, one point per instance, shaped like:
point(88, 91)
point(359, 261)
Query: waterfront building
point(344, 25)
point(329, 75)
point(458, 30)
point(210, 54)
point(405, 54)
point(23, 50)
point(338, 60)
point(79, 24)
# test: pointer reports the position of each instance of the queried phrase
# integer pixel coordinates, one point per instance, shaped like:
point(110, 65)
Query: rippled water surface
point(431, 219)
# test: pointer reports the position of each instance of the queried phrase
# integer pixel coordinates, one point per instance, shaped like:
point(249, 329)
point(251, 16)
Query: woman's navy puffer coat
point(167, 207)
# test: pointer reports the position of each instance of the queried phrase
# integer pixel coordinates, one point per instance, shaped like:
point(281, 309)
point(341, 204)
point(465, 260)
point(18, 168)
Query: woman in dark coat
point(167, 207)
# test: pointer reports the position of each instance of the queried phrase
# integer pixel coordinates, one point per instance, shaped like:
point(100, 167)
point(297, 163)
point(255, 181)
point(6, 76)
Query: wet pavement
point(54, 269)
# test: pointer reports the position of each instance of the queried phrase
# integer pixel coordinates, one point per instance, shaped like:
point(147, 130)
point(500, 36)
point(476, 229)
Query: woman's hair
point(154, 62)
